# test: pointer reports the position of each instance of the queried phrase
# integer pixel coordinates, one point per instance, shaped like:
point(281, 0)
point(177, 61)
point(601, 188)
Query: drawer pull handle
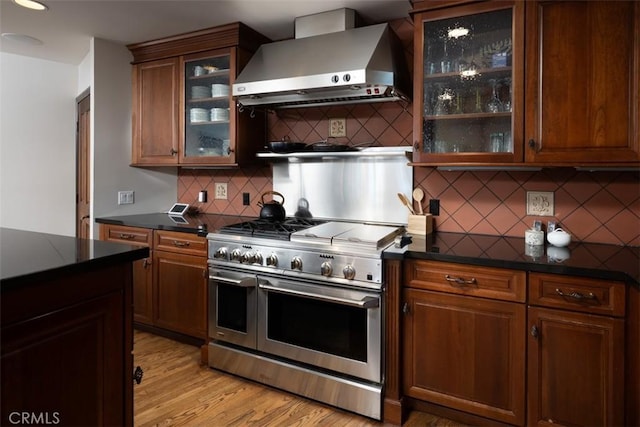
point(180, 244)
point(575, 295)
point(126, 236)
point(535, 332)
point(460, 281)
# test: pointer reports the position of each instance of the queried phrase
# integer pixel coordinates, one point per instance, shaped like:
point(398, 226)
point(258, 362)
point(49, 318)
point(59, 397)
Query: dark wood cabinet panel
point(465, 353)
point(180, 294)
point(583, 74)
point(155, 112)
point(143, 290)
point(575, 369)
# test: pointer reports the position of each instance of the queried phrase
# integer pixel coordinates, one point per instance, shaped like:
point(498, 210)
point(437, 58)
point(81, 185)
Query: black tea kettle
point(273, 210)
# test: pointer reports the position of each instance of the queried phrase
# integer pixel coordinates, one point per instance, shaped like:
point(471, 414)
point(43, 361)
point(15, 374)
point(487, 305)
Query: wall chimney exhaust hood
point(359, 65)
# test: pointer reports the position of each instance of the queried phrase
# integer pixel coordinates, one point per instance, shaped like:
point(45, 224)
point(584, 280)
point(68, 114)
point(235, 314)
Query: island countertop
point(26, 256)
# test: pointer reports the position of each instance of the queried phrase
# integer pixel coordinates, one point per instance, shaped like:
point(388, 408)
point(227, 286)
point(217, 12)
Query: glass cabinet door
point(207, 114)
point(468, 86)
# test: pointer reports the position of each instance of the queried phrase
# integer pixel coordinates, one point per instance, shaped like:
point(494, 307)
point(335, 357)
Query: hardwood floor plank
point(177, 391)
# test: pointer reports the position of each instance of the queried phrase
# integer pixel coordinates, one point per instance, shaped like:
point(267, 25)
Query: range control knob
point(247, 257)
point(349, 272)
point(257, 258)
point(272, 260)
point(296, 263)
point(221, 253)
point(326, 269)
point(236, 255)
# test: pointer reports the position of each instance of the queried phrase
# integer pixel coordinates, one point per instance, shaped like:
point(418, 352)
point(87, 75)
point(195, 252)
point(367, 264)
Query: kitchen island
point(66, 329)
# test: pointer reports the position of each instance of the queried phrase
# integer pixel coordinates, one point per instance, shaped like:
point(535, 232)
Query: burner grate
point(279, 230)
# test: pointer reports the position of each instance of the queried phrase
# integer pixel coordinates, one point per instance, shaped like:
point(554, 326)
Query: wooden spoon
point(418, 195)
point(405, 202)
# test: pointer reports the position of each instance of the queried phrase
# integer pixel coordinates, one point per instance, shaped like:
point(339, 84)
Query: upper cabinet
point(536, 82)
point(583, 72)
point(183, 112)
point(468, 90)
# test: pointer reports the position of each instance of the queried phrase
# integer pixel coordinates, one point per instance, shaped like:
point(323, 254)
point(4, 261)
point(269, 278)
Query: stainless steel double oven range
point(299, 305)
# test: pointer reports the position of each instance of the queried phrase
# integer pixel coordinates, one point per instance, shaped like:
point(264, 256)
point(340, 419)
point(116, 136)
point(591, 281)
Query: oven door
point(325, 326)
point(232, 306)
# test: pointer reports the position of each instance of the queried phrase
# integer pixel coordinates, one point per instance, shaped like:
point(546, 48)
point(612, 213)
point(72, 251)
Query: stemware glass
point(508, 103)
point(494, 105)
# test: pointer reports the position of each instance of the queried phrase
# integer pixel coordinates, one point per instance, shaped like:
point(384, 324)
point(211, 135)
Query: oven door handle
point(366, 302)
point(245, 282)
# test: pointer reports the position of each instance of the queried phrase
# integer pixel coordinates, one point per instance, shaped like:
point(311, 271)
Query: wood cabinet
point(576, 351)
point(483, 344)
point(67, 349)
point(576, 103)
point(142, 269)
point(170, 286)
point(183, 112)
point(465, 352)
point(582, 82)
point(155, 106)
point(180, 292)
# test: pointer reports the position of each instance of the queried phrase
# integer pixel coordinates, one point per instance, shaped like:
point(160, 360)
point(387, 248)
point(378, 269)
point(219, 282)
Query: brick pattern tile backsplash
point(597, 207)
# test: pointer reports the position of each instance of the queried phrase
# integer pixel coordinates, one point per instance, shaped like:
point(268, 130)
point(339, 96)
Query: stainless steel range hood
point(358, 65)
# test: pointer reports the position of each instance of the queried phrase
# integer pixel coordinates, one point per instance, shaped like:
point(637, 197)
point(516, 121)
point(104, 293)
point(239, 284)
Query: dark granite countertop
point(608, 262)
point(27, 256)
point(200, 224)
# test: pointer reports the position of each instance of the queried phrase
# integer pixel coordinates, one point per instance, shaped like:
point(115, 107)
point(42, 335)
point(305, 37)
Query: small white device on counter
point(178, 209)
point(534, 237)
point(559, 238)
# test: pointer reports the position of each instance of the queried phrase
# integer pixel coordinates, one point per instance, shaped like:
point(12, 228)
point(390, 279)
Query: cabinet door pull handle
point(126, 236)
point(173, 152)
point(180, 244)
point(535, 332)
point(137, 374)
point(460, 281)
point(575, 295)
point(145, 263)
point(533, 145)
point(405, 308)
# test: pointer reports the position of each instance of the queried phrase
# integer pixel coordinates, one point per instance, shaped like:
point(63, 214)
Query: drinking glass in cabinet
point(467, 83)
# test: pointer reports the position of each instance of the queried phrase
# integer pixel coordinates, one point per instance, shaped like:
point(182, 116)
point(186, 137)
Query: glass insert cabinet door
point(471, 80)
point(207, 101)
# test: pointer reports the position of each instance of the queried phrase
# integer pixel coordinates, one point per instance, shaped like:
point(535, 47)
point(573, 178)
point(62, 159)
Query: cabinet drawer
point(130, 235)
point(577, 293)
point(487, 282)
point(184, 243)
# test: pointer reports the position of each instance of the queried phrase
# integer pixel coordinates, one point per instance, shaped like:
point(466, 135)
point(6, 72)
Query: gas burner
point(278, 230)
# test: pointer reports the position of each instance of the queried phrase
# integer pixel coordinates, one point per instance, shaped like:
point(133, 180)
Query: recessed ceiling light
point(31, 4)
point(22, 38)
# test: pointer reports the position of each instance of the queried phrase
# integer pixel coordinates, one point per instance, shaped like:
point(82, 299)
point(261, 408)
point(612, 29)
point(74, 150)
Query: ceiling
point(68, 26)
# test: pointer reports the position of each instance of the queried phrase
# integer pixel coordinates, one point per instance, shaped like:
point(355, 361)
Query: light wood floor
point(177, 391)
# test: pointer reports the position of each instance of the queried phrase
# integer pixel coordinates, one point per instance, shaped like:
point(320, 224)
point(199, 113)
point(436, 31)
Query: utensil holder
point(420, 224)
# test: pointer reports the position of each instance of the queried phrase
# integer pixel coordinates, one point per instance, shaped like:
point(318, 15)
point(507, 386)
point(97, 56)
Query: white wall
point(155, 190)
point(37, 144)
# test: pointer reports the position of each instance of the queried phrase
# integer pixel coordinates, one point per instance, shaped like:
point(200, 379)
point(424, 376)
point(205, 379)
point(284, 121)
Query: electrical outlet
point(125, 197)
point(221, 190)
point(540, 203)
point(245, 199)
point(337, 128)
point(434, 207)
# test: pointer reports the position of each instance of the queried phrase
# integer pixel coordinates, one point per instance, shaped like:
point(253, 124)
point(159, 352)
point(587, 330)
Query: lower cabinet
point(575, 357)
point(181, 293)
point(170, 286)
point(464, 352)
point(546, 349)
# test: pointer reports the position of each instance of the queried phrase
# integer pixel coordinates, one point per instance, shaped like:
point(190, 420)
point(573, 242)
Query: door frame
point(83, 166)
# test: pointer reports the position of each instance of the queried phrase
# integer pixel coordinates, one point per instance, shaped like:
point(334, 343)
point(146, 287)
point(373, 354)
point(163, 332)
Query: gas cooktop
point(279, 230)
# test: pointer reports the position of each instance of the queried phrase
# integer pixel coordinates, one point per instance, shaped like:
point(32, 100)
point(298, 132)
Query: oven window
point(323, 326)
point(232, 307)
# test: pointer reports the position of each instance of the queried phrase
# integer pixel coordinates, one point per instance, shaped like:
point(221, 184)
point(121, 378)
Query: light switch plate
point(540, 203)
